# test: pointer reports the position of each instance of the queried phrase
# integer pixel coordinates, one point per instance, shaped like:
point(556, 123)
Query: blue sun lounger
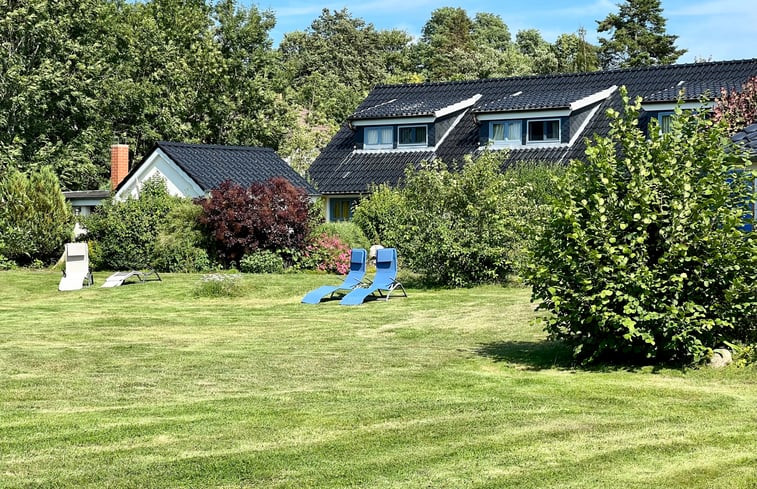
point(385, 279)
point(352, 280)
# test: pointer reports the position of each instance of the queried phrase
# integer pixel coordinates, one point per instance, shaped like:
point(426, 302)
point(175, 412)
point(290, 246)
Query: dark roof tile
point(748, 139)
point(210, 164)
point(656, 83)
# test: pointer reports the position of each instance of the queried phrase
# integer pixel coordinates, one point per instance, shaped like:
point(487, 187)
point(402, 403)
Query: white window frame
point(412, 145)
point(380, 145)
point(506, 142)
point(544, 141)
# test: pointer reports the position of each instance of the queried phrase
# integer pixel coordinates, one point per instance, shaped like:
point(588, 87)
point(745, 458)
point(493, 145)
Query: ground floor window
point(340, 209)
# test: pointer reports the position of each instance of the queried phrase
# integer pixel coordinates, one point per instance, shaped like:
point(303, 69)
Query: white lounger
point(77, 270)
point(119, 278)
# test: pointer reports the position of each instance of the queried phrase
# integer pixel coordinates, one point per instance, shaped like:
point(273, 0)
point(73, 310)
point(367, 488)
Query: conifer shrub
point(35, 219)
point(647, 254)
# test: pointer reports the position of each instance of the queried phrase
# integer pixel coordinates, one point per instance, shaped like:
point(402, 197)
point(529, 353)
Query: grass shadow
point(544, 355)
point(534, 355)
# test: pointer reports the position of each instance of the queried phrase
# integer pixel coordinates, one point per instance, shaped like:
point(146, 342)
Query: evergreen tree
point(637, 37)
point(35, 219)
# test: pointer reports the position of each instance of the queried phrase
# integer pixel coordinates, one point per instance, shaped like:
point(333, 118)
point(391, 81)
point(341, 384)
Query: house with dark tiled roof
point(535, 118)
point(748, 139)
point(192, 170)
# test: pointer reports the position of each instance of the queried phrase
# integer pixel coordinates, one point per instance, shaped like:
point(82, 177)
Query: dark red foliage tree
point(271, 215)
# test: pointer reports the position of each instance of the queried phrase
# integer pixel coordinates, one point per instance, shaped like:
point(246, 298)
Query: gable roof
point(211, 164)
point(341, 168)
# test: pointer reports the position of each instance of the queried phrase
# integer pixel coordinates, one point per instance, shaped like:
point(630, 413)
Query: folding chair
point(385, 279)
point(118, 278)
point(353, 279)
point(76, 257)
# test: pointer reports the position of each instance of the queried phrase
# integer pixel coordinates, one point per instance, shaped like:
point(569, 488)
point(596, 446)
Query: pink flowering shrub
point(327, 253)
point(737, 108)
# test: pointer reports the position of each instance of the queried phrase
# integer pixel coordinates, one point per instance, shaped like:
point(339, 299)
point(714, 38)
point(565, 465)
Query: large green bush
point(645, 255)
point(35, 219)
point(180, 245)
point(460, 228)
point(125, 233)
point(263, 261)
point(381, 215)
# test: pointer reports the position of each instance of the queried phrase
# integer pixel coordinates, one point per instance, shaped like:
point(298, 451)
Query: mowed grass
point(149, 386)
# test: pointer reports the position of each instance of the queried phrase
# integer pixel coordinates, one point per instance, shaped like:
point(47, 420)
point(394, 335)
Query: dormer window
point(505, 132)
point(379, 137)
point(544, 131)
point(412, 136)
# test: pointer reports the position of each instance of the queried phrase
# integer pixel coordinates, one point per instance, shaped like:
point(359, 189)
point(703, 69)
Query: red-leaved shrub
point(271, 215)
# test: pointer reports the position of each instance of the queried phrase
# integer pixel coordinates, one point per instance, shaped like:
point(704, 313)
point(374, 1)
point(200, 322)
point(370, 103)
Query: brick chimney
point(119, 164)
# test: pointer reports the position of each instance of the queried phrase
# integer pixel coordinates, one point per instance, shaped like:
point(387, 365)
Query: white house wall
point(159, 164)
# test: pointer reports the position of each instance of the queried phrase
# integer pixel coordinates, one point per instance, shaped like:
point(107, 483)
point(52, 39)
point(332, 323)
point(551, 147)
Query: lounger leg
point(393, 287)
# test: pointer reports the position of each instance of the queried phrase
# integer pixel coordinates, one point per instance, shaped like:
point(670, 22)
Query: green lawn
point(149, 386)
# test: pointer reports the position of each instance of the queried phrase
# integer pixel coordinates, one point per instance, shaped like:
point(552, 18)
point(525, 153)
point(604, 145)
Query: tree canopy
point(637, 37)
point(75, 76)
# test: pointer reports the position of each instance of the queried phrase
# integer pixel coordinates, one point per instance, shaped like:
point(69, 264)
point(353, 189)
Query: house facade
point(193, 170)
point(535, 118)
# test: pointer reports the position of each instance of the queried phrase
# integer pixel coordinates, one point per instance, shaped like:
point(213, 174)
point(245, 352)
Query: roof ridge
point(173, 144)
point(568, 75)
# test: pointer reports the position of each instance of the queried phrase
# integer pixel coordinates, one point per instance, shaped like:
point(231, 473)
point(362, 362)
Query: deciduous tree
point(645, 256)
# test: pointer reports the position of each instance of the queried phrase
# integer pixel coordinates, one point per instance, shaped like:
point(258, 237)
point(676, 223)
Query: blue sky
point(717, 29)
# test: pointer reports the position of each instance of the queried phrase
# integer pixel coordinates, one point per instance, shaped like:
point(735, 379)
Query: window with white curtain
point(379, 137)
point(505, 132)
point(665, 120)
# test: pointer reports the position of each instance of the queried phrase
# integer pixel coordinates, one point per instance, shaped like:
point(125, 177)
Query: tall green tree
point(189, 71)
point(51, 74)
point(574, 54)
point(76, 74)
point(335, 62)
point(532, 45)
point(455, 47)
point(637, 37)
point(330, 68)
